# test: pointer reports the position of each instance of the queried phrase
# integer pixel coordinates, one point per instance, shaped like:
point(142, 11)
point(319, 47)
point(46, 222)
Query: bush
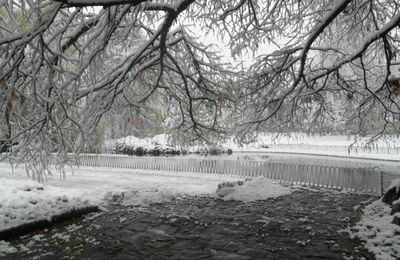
point(121, 148)
point(214, 151)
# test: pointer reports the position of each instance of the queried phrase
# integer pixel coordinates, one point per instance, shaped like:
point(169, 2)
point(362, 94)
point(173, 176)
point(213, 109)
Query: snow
point(381, 237)
point(395, 184)
point(325, 140)
point(264, 220)
point(160, 141)
point(256, 189)
point(387, 148)
point(6, 248)
point(24, 200)
point(62, 237)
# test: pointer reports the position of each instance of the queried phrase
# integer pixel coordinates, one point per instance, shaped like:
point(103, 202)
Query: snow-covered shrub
point(157, 146)
point(213, 151)
point(140, 147)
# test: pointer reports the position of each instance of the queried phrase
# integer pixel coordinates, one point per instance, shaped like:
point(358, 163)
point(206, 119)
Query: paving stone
point(253, 253)
point(158, 244)
point(205, 227)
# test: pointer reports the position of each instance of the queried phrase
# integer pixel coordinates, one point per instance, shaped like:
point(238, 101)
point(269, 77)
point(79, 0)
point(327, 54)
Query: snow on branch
point(318, 66)
point(86, 3)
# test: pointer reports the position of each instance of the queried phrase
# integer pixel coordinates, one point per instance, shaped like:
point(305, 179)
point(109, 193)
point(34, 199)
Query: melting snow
point(381, 237)
point(6, 248)
point(25, 201)
point(256, 189)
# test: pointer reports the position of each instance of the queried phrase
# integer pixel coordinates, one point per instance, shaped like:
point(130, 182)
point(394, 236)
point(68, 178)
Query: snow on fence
point(355, 179)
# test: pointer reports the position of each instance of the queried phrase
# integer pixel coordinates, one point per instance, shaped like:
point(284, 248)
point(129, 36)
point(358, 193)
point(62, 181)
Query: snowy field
point(336, 145)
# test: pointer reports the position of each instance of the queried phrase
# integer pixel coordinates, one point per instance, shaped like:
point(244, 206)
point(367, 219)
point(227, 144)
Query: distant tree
point(97, 140)
point(68, 63)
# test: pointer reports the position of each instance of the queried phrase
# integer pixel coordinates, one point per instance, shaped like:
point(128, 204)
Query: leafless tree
point(64, 63)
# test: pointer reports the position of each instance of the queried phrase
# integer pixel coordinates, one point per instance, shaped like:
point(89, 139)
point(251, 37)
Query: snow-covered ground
point(23, 200)
point(381, 237)
point(326, 140)
point(387, 148)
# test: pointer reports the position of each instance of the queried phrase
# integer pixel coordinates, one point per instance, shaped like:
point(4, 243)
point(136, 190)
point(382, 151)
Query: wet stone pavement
point(303, 225)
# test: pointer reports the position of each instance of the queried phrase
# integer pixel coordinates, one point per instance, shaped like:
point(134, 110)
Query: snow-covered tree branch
point(65, 63)
point(335, 63)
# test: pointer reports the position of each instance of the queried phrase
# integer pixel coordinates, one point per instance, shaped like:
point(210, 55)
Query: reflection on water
point(391, 169)
point(386, 166)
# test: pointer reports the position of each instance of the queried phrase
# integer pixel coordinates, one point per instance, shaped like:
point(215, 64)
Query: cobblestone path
point(303, 225)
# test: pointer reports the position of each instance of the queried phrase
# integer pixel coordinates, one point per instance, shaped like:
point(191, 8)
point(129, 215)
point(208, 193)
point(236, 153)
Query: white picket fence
point(354, 179)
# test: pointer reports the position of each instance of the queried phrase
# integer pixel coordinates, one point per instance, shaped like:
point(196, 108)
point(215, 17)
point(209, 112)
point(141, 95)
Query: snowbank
point(25, 201)
point(381, 237)
point(395, 184)
point(256, 189)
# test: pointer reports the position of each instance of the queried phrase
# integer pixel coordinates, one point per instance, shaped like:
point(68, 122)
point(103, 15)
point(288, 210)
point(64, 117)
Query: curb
point(44, 223)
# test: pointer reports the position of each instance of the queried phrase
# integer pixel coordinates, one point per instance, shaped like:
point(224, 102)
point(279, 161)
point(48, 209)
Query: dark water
point(387, 166)
point(390, 169)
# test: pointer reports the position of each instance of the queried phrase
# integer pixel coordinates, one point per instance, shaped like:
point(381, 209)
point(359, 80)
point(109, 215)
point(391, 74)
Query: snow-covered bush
point(155, 146)
point(212, 151)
